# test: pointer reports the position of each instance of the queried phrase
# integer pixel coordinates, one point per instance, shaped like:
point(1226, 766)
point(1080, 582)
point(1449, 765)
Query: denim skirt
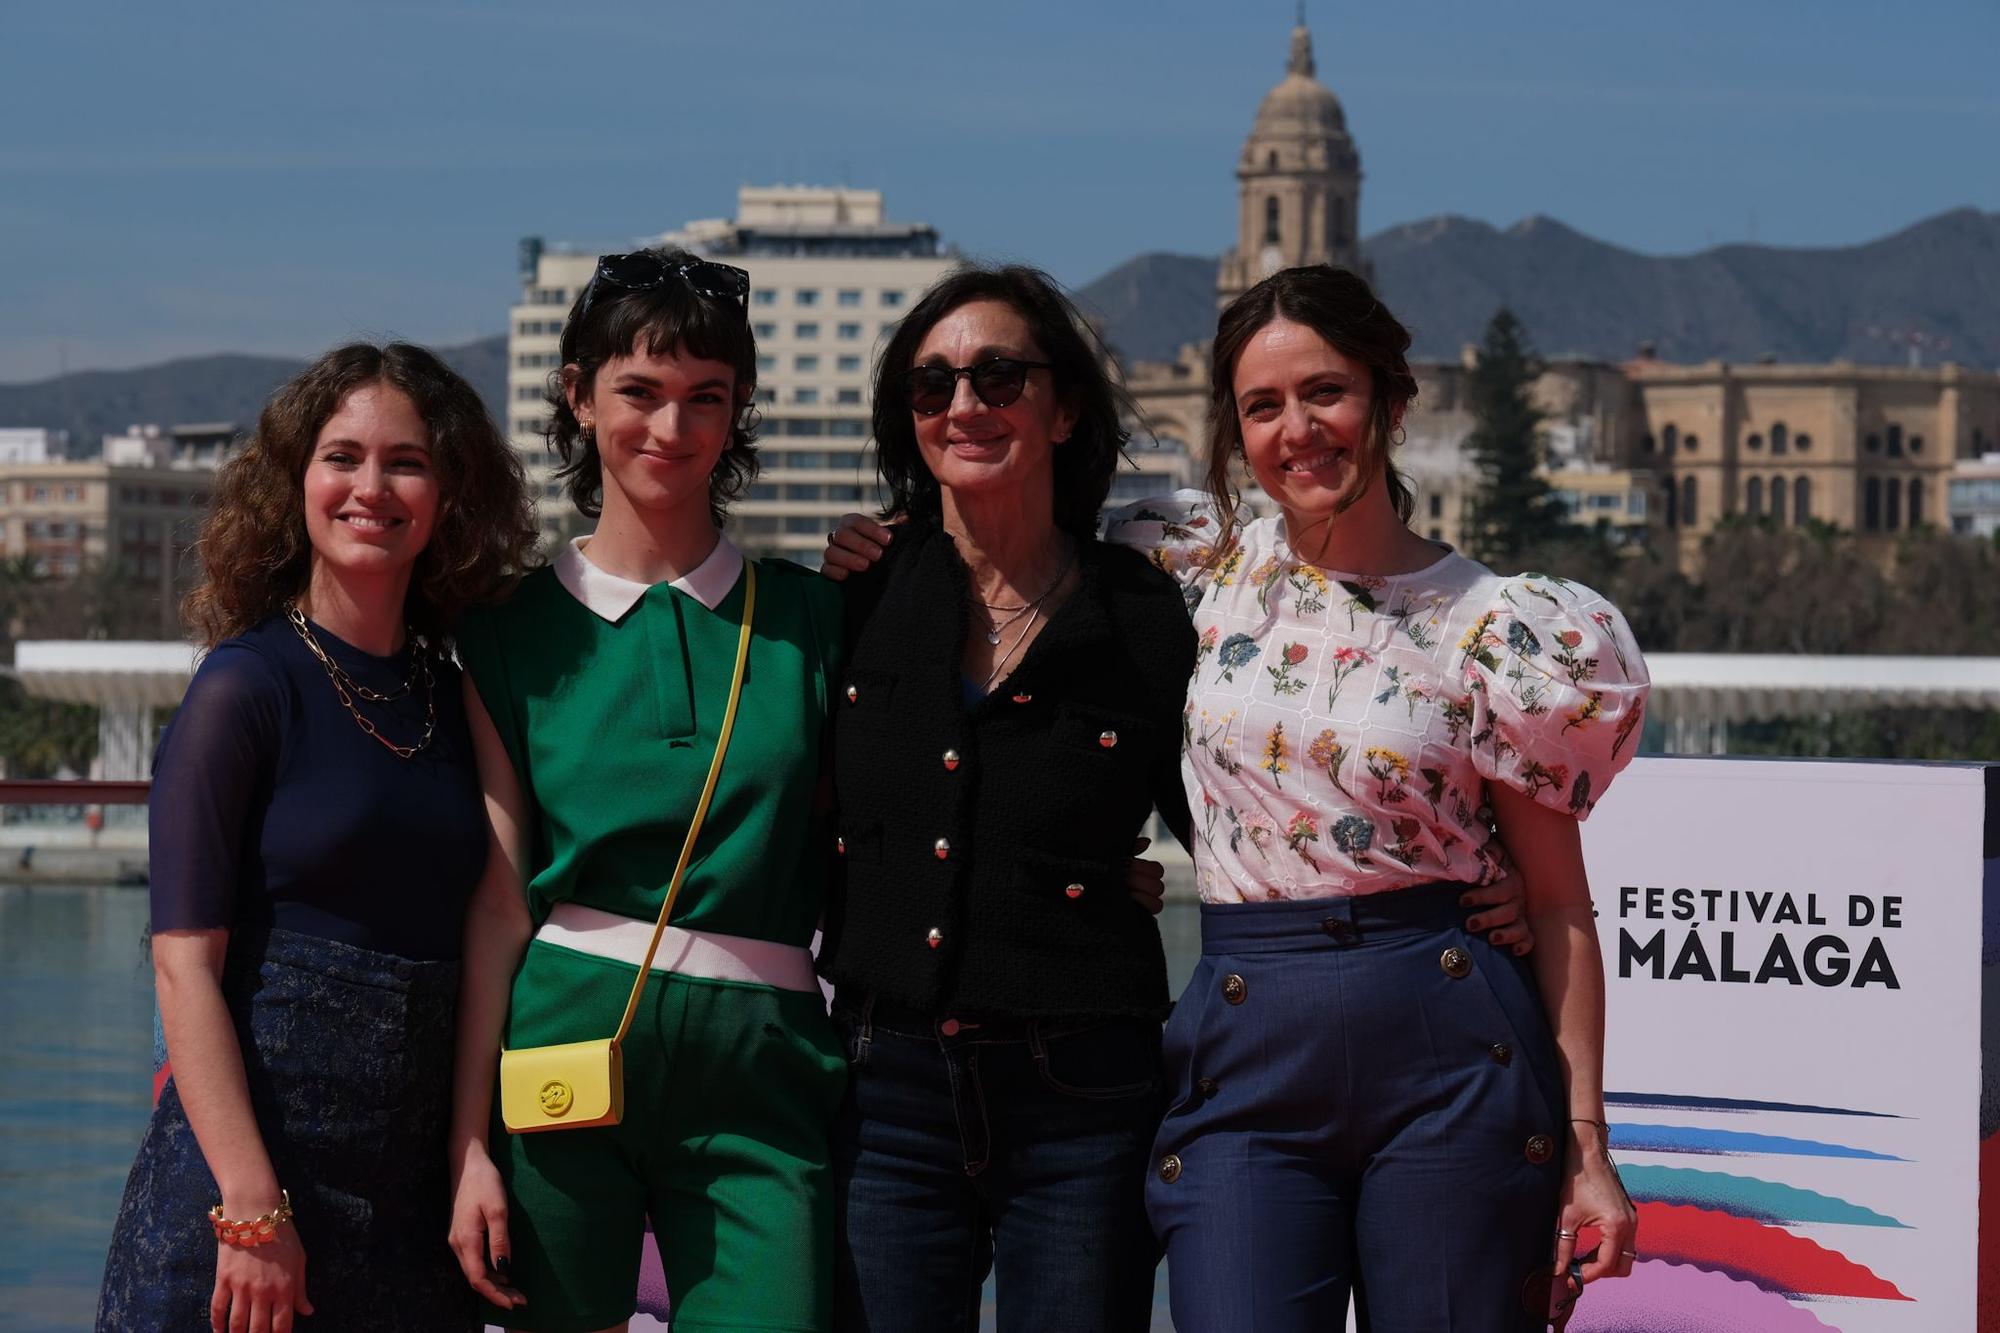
point(348, 1056)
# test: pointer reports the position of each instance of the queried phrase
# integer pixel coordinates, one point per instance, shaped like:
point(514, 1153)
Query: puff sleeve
point(1557, 690)
point(1176, 532)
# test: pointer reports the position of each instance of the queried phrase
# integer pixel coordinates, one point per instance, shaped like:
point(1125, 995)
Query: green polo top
point(608, 695)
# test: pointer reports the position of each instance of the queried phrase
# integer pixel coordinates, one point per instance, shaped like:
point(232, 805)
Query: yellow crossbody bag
point(582, 1083)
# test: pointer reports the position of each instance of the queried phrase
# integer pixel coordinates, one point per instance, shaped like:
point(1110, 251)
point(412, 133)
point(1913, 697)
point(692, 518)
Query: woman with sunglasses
point(1365, 1097)
point(1007, 720)
point(598, 704)
point(316, 831)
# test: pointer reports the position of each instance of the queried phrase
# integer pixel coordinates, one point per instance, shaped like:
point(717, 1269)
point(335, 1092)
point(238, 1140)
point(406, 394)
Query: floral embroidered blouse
point(1340, 729)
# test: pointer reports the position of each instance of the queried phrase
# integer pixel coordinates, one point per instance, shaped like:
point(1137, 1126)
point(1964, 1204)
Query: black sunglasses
point(998, 382)
point(642, 270)
point(1551, 1298)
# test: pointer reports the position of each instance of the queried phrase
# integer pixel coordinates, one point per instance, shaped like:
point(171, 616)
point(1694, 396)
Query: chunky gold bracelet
point(258, 1230)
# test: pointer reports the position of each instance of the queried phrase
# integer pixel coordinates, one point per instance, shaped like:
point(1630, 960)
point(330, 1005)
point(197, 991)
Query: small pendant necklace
point(995, 632)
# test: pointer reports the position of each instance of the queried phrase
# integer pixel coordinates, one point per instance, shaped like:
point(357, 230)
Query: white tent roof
point(105, 672)
point(1741, 687)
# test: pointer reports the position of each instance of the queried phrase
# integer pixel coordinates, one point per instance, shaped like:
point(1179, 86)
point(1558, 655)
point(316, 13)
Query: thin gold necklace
point(1028, 608)
point(345, 687)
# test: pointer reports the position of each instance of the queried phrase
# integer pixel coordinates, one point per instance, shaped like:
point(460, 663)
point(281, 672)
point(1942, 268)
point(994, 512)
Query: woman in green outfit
point(597, 695)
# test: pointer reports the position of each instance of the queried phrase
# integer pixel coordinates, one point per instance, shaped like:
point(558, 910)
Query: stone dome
point(1300, 106)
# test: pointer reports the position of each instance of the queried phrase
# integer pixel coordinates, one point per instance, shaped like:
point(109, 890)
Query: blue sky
point(273, 177)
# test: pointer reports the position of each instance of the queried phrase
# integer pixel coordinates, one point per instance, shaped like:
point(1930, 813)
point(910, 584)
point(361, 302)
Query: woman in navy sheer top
point(316, 828)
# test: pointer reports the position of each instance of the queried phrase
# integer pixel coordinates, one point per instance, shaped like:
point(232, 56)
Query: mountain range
point(1580, 296)
point(1444, 276)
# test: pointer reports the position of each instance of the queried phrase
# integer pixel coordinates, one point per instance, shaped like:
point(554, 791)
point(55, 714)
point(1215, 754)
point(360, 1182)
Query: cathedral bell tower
point(1299, 182)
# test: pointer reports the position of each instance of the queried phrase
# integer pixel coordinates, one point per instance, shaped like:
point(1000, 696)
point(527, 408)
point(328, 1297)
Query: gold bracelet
point(258, 1230)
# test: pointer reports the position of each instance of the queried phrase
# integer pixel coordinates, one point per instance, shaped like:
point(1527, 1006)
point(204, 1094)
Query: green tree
point(1513, 507)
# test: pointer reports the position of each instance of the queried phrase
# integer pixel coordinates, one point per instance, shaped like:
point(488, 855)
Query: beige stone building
point(1656, 453)
point(830, 275)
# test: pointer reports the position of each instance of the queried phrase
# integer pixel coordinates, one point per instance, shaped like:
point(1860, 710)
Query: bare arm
point(497, 929)
point(260, 1287)
point(1569, 972)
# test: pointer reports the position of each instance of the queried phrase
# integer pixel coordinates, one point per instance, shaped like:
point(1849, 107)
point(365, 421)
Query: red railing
point(71, 791)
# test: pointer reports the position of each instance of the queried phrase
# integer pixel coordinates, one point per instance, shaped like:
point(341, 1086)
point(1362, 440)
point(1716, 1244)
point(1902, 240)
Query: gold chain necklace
point(345, 687)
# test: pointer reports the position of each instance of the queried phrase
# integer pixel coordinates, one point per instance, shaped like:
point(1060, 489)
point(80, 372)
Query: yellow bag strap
point(707, 794)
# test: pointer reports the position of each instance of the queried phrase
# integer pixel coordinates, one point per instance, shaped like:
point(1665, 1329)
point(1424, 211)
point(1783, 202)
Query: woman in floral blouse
point(1367, 1096)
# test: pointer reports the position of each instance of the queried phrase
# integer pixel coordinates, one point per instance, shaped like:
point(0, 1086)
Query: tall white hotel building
point(829, 279)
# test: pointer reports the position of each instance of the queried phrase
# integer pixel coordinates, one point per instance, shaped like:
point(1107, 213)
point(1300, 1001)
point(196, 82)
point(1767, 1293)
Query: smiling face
point(371, 492)
point(1305, 411)
point(661, 422)
point(971, 447)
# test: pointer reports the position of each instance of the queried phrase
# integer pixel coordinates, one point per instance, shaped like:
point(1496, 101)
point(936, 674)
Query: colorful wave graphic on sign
point(1719, 1248)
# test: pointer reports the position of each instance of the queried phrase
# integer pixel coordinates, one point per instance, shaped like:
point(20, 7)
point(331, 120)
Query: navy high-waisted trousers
point(1364, 1098)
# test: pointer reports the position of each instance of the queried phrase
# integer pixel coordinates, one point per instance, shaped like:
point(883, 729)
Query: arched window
point(1892, 504)
point(1271, 162)
point(1779, 438)
point(1755, 442)
point(1271, 220)
point(1648, 443)
point(1753, 497)
point(1871, 505)
point(1895, 441)
point(1667, 493)
point(1873, 444)
point(1337, 221)
point(1801, 500)
point(1669, 436)
point(1916, 501)
point(1916, 444)
point(1688, 512)
point(1778, 501)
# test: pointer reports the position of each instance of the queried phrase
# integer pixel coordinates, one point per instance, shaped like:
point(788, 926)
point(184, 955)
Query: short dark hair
point(1086, 461)
point(1340, 307)
point(256, 558)
point(672, 319)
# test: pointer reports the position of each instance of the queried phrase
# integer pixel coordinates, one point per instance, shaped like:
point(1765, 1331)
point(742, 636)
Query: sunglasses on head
point(642, 270)
point(997, 381)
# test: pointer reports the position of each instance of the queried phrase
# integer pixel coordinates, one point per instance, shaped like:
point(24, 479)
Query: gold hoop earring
point(1396, 437)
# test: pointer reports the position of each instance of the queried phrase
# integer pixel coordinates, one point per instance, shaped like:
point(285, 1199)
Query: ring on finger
point(1565, 1234)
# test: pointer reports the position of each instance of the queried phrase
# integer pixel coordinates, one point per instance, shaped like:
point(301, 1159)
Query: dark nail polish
point(504, 1266)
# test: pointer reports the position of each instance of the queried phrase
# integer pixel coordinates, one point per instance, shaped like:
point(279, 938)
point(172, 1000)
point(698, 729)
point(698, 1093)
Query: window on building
point(805, 426)
point(764, 330)
point(766, 363)
point(1690, 443)
point(806, 365)
point(805, 458)
point(764, 296)
point(803, 494)
point(766, 396)
point(806, 296)
point(1669, 436)
point(805, 395)
point(1437, 506)
point(527, 425)
point(1271, 160)
point(1672, 513)
point(527, 393)
point(1271, 220)
point(1754, 442)
point(1690, 515)
point(849, 296)
point(1871, 505)
point(763, 490)
point(850, 429)
point(1778, 499)
point(848, 365)
point(1892, 504)
point(1801, 500)
point(1437, 534)
point(1337, 222)
point(1916, 444)
point(892, 299)
point(1895, 434)
point(803, 523)
point(1779, 439)
point(1753, 497)
point(852, 332)
point(1916, 502)
point(888, 327)
point(1873, 444)
point(808, 329)
point(1802, 442)
point(848, 396)
point(1648, 443)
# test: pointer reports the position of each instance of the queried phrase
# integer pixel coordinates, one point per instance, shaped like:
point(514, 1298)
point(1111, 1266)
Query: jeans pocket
point(1107, 1061)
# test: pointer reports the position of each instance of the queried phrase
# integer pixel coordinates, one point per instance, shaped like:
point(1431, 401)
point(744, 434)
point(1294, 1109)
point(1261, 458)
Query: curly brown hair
point(672, 319)
point(254, 552)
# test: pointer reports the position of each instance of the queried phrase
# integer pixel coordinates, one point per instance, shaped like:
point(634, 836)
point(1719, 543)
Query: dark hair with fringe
point(256, 558)
point(1085, 463)
point(672, 319)
point(1340, 307)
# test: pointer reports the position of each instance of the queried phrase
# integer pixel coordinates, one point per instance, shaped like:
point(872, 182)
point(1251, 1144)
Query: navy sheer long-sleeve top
point(272, 807)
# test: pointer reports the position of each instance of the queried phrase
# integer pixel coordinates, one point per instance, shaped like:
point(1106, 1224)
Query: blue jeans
point(1016, 1145)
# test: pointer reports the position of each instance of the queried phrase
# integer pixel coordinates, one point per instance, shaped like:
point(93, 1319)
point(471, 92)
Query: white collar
point(611, 596)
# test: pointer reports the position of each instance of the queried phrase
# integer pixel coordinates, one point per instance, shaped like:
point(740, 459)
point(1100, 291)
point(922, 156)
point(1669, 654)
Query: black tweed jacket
point(982, 851)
